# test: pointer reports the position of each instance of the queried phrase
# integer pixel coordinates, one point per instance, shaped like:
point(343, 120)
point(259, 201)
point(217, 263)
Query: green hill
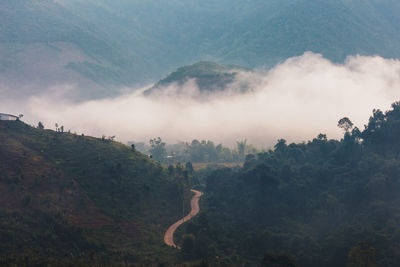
point(67, 198)
point(208, 76)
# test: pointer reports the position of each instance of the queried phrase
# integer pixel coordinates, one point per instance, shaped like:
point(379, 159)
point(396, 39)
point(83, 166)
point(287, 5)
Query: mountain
point(207, 76)
point(70, 199)
point(100, 46)
point(45, 44)
point(334, 28)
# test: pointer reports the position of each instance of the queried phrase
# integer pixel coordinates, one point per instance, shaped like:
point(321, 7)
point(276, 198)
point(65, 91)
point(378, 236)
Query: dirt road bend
point(194, 203)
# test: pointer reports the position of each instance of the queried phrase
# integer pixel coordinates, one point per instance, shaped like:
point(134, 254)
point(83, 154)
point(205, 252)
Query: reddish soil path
point(194, 203)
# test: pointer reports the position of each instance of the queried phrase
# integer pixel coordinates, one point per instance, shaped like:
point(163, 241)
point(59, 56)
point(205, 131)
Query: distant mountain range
point(102, 45)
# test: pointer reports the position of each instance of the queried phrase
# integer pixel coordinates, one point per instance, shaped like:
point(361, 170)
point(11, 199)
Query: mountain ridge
point(132, 43)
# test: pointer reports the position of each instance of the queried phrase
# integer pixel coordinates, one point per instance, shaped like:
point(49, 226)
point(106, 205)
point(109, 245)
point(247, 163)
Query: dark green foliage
point(40, 125)
point(312, 201)
point(93, 194)
point(346, 124)
point(362, 255)
point(188, 241)
point(203, 263)
point(383, 130)
point(27, 237)
point(189, 167)
point(277, 260)
point(27, 200)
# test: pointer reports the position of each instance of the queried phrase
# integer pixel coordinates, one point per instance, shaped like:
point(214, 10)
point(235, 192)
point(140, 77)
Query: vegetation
point(208, 76)
point(204, 151)
point(320, 203)
point(69, 199)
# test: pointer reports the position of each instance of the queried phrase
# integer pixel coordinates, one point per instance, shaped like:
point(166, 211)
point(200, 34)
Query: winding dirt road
point(194, 203)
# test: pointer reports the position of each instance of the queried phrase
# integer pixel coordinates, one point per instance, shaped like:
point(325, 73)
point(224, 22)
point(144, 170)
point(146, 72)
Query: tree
point(170, 169)
point(249, 161)
point(345, 124)
point(189, 167)
point(40, 125)
point(188, 243)
point(157, 149)
point(356, 134)
point(203, 263)
point(281, 146)
point(196, 151)
point(277, 260)
point(362, 255)
point(241, 146)
point(322, 137)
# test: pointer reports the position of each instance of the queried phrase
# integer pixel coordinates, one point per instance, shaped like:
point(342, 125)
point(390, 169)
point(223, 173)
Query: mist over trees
point(204, 151)
point(318, 203)
point(157, 149)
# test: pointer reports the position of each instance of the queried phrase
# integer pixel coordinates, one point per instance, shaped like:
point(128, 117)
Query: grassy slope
point(98, 195)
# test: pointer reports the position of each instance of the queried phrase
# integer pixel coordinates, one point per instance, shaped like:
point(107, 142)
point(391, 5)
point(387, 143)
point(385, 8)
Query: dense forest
point(317, 203)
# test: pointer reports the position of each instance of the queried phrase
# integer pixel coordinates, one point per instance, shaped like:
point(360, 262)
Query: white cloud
point(296, 100)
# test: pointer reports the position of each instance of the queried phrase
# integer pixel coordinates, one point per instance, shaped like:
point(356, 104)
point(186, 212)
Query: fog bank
point(296, 100)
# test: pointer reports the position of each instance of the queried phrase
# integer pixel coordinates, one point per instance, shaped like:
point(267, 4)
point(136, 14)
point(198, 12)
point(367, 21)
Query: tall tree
point(345, 124)
point(157, 149)
point(40, 125)
point(241, 147)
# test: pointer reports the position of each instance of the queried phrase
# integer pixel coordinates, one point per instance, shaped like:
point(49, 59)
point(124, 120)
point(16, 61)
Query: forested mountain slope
point(102, 45)
point(320, 203)
point(69, 199)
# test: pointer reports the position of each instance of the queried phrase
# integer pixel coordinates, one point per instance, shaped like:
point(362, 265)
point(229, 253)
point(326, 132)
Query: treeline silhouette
point(317, 203)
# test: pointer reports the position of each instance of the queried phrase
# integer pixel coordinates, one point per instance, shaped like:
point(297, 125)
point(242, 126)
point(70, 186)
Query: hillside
point(317, 203)
point(208, 77)
point(45, 44)
point(67, 198)
point(104, 45)
point(334, 28)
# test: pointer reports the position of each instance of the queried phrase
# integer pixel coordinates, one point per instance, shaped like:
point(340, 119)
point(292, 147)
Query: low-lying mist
point(296, 100)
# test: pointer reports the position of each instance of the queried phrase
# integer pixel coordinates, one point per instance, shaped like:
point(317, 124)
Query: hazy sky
point(296, 100)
